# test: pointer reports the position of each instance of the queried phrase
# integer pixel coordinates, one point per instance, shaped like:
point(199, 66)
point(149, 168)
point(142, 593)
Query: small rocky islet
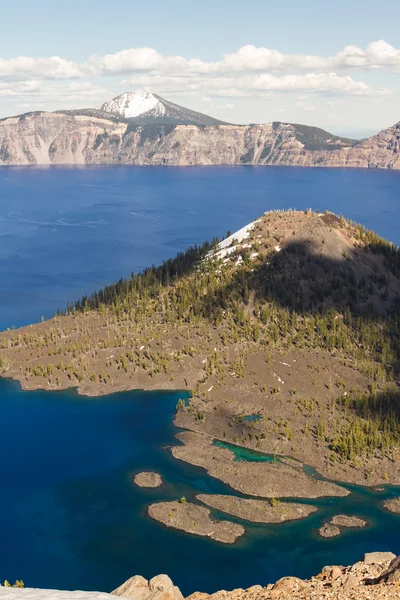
point(148, 479)
point(257, 511)
point(393, 504)
point(194, 519)
point(334, 527)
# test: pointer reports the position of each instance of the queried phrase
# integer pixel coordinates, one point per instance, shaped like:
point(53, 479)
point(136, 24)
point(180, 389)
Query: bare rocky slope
point(95, 137)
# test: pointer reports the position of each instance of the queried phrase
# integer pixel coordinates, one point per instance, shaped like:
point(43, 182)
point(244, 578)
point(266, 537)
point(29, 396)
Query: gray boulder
point(376, 558)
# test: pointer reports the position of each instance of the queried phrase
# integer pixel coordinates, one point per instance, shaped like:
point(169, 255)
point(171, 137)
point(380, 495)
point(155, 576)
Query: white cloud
point(262, 84)
point(41, 68)
point(257, 72)
point(378, 54)
point(39, 95)
point(311, 82)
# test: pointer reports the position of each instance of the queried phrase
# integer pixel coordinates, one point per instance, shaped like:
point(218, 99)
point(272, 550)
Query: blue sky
point(72, 54)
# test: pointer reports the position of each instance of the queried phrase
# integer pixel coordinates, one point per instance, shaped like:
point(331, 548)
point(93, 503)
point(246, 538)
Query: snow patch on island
point(231, 243)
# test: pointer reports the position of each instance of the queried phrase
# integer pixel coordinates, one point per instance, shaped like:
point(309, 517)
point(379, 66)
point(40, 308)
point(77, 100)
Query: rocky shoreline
point(264, 479)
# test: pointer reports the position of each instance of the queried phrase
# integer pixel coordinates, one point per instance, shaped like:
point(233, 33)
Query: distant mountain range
point(144, 129)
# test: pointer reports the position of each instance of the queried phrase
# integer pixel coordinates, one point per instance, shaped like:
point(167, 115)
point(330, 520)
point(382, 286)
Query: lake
point(70, 516)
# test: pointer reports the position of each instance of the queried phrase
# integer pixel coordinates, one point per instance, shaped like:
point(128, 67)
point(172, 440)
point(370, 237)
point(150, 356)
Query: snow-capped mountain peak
point(134, 104)
point(146, 108)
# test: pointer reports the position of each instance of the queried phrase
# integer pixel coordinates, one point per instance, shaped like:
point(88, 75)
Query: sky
point(333, 65)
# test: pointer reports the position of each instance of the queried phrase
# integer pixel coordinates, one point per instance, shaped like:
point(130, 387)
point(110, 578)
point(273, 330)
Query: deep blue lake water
point(70, 516)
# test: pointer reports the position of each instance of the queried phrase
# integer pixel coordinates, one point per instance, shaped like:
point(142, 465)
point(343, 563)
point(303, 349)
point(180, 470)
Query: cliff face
point(57, 138)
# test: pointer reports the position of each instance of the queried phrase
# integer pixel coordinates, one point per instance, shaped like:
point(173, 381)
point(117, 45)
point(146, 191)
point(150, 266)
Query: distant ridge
point(314, 138)
point(142, 128)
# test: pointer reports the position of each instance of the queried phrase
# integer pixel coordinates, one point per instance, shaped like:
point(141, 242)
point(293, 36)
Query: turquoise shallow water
point(69, 515)
point(248, 455)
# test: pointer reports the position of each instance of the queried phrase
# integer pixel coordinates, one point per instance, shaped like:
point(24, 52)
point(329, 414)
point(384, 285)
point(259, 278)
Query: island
point(283, 338)
point(148, 479)
point(195, 519)
point(393, 505)
point(257, 511)
point(334, 527)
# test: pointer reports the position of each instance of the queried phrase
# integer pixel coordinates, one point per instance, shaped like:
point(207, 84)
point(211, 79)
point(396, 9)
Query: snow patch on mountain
point(134, 104)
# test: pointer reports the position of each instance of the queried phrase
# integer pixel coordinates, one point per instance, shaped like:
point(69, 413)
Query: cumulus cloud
point(249, 72)
point(253, 84)
point(312, 82)
point(39, 95)
point(41, 68)
point(377, 54)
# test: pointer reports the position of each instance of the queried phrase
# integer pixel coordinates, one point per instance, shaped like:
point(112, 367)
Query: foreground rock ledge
point(257, 511)
point(158, 588)
point(376, 577)
point(371, 579)
point(148, 479)
point(195, 519)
